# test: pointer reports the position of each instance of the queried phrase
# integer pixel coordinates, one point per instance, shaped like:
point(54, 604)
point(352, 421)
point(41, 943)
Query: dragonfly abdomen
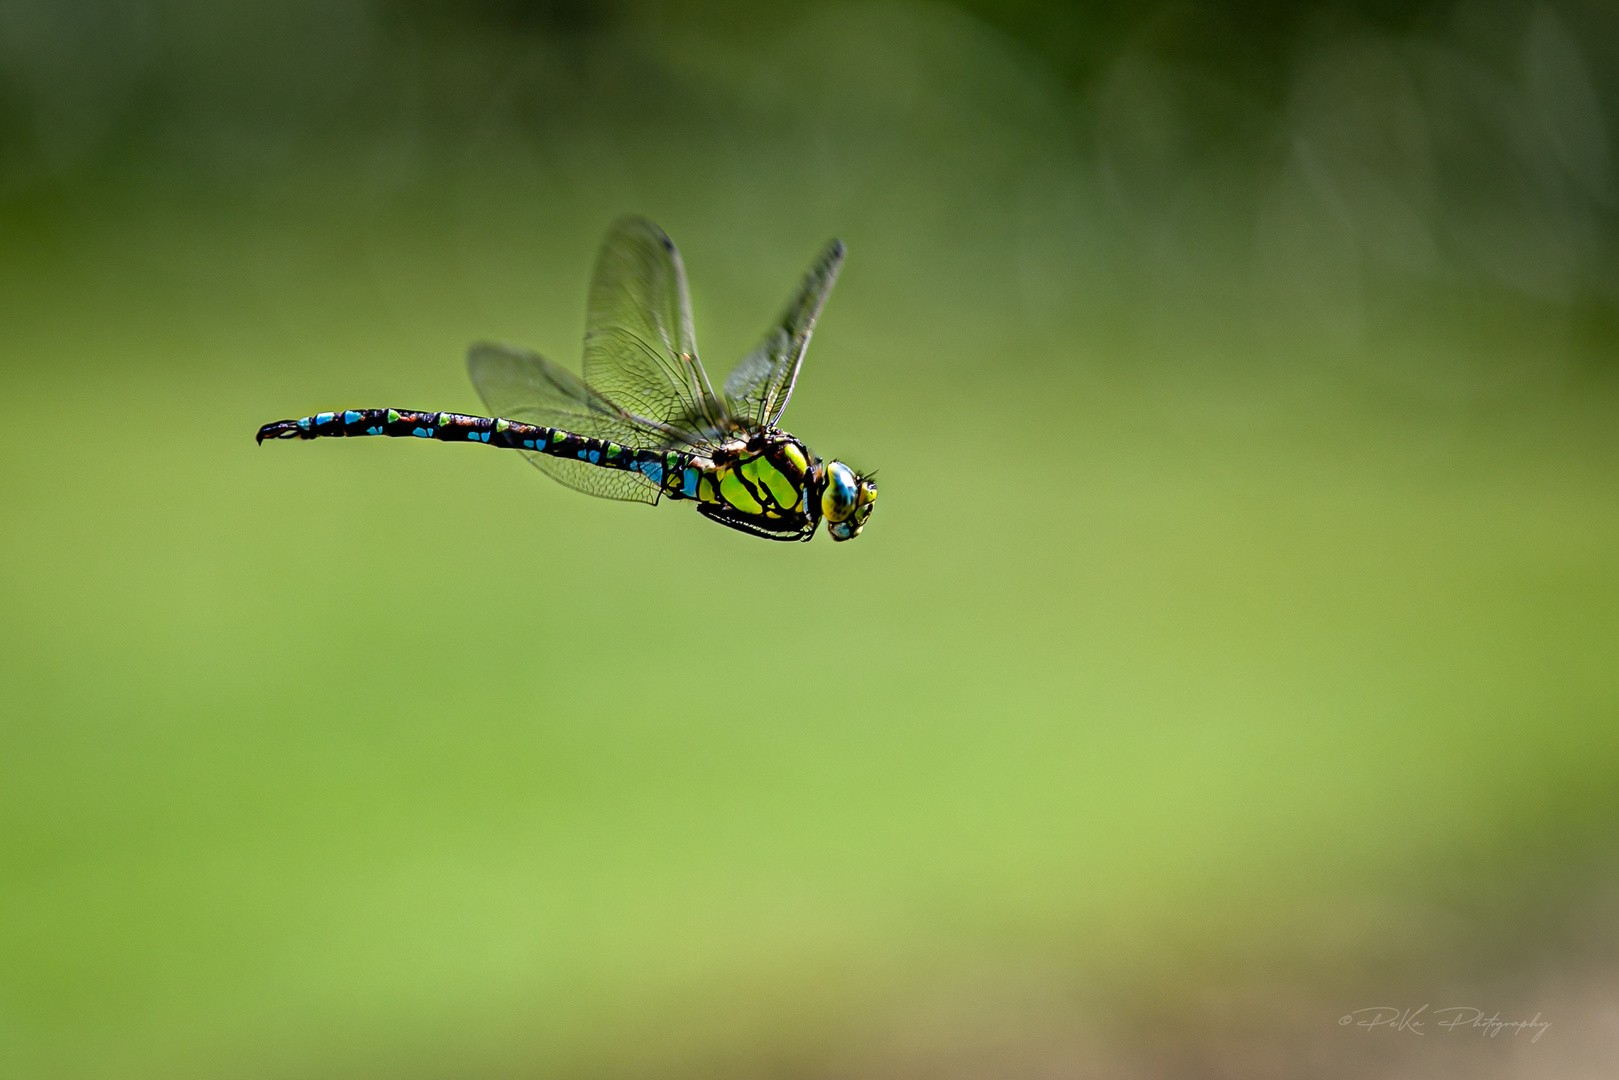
point(669, 469)
point(395, 423)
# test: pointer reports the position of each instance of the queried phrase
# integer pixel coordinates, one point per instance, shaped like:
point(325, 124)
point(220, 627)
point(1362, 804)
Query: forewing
point(761, 384)
point(520, 385)
point(640, 348)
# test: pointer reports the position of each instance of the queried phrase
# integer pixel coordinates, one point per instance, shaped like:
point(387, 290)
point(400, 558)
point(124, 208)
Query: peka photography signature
point(1447, 1019)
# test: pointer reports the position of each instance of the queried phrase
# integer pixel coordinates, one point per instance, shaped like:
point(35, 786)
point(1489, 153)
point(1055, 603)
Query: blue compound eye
point(838, 502)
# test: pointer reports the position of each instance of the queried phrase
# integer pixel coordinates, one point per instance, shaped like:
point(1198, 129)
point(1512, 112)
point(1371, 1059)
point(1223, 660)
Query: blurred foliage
point(1356, 158)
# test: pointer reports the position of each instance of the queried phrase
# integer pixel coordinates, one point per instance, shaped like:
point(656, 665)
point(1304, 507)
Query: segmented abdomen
point(669, 469)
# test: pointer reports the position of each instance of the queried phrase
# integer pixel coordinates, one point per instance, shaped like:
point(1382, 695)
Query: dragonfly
point(644, 423)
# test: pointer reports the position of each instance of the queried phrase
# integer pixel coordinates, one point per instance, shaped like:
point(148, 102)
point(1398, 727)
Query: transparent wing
point(525, 386)
point(761, 384)
point(640, 349)
point(594, 480)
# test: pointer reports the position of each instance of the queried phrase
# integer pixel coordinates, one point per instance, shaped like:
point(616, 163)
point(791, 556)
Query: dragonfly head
point(846, 501)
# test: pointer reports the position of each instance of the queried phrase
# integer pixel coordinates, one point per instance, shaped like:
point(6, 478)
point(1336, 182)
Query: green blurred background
point(1233, 647)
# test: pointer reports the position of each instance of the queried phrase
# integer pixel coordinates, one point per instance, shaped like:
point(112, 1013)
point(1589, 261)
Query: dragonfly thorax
point(769, 484)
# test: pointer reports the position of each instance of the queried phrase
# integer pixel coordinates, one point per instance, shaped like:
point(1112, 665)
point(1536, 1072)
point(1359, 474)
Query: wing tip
point(832, 255)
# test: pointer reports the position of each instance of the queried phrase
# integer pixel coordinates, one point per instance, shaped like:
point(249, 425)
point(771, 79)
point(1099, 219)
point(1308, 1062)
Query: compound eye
point(841, 492)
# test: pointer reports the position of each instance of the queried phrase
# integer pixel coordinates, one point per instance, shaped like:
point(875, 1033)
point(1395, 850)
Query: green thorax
point(765, 485)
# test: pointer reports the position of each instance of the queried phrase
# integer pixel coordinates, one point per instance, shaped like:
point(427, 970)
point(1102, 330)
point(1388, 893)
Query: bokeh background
point(1233, 647)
